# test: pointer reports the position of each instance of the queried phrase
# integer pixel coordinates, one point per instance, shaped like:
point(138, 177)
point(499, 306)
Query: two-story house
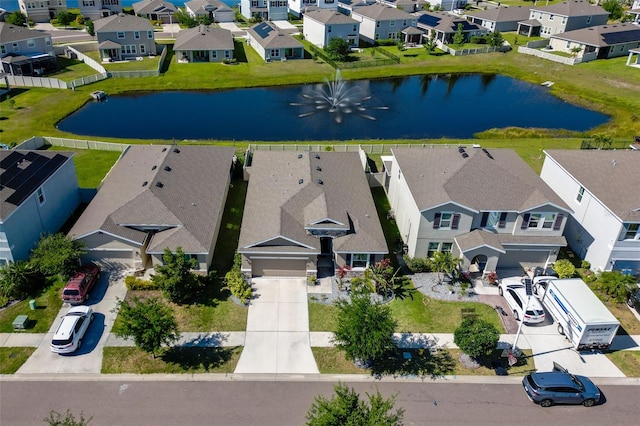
point(215, 10)
point(501, 18)
point(124, 36)
point(24, 51)
point(298, 7)
point(272, 10)
point(602, 189)
point(156, 10)
point(545, 21)
point(96, 9)
point(444, 26)
point(320, 26)
point(380, 22)
point(42, 10)
point(38, 194)
point(485, 206)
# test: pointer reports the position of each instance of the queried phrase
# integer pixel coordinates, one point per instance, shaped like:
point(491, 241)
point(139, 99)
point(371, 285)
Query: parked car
point(69, 334)
point(634, 299)
point(77, 289)
point(539, 271)
point(525, 308)
point(560, 387)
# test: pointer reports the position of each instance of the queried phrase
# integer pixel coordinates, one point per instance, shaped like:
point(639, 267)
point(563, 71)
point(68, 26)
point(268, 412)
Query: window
point(392, 23)
point(128, 49)
point(632, 231)
point(136, 35)
point(47, 41)
point(493, 220)
point(40, 195)
point(432, 248)
point(542, 221)
point(568, 45)
point(149, 35)
point(551, 17)
point(328, 28)
point(142, 48)
point(588, 19)
point(3, 49)
point(359, 260)
point(31, 43)
point(355, 28)
point(120, 34)
point(446, 247)
point(446, 220)
point(16, 48)
point(580, 194)
point(564, 19)
point(377, 24)
point(275, 52)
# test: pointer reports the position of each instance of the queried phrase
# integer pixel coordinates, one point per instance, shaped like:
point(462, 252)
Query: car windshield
point(76, 314)
point(71, 292)
point(577, 382)
point(61, 342)
point(532, 383)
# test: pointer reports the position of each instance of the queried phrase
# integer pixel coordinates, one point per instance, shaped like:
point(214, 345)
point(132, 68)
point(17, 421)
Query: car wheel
point(516, 316)
point(560, 329)
point(500, 291)
point(630, 303)
point(546, 403)
point(91, 318)
point(79, 344)
point(589, 402)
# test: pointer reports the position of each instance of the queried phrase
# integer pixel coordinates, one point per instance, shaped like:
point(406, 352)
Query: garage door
point(279, 267)
point(120, 259)
point(522, 259)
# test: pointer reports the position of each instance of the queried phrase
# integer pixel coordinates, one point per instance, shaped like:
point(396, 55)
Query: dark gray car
point(560, 387)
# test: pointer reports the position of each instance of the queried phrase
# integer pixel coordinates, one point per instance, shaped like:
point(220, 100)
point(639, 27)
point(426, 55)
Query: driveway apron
point(277, 337)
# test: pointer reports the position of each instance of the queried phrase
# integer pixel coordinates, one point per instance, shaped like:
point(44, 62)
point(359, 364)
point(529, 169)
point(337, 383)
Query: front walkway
point(277, 336)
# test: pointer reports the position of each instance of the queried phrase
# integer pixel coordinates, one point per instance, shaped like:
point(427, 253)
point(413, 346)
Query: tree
point(19, 280)
point(476, 337)
point(616, 284)
point(175, 278)
point(614, 8)
point(496, 39)
point(430, 42)
point(57, 254)
point(338, 49)
point(444, 262)
point(149, 322)
point(65, 17)
point(90, 27)
point(564, 268)
point(458, 37)
point(575, 50)
point(66, 419)
point(16, 18)
point(365, 328)
point(346, 408)
point(184, 19)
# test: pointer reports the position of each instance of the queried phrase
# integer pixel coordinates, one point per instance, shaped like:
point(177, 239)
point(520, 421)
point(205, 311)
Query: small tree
point(16, 18)
point(66, 419)
point(496, 39)
point(564, 268)
point(476, 337)
point(614, 8)
point(150, 323)
point(444, 263)
point(65, 17)
point(19, 280)
point(90, 27)
point(365, 328)
point(184, 19)
point(175, 278)
point(430, 42)
point(346, 408)
point(615, 284)
point(575, 51)
point(338, 49)
point(458, 37)
point(57, 254)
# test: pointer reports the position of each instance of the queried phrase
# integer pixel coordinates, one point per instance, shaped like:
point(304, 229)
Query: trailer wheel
point(560, 329)
point(589, 402)
point(515, 315)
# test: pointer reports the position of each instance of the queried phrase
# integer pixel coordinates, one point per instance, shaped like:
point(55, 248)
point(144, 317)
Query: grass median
point(11, 359)
point(48, 304)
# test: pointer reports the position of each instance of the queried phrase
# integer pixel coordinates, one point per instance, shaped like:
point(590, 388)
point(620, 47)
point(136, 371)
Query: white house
point(320, 26)
point(42, 11)
point(272, 10)
point(379, 22)
point(602, 187)
point(272, 44)
point(635, 11)
point(96, 9)
point(299, 7)
point(215, 10)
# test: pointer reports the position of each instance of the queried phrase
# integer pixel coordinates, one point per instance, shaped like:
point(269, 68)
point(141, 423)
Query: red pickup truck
point(76, 291)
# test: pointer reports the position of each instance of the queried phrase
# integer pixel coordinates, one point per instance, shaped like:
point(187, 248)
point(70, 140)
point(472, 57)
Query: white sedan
point(524, 307)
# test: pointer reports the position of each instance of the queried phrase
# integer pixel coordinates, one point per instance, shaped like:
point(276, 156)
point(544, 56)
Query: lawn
point(91, 165)
point(48, 305)
point(71, 69)
point(227, 242)
point(525, 364)
point(333, 361)
point(175, 360)
point(322, 317)
point(11, 359)
point(627, 361)
point(389, 227)
point(146, 64)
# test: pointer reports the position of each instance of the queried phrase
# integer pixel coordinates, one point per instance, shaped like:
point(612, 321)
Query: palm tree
point(444, 262)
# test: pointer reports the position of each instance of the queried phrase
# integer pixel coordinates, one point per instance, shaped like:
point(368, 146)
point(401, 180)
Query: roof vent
point(154, 167)
point(299, 155)
point(145, 183)
point(159, 184)
point(487, 153)
point(317, 156)
point(176, 150)
point(460, 150)
point(300, 181)
point(465, 155)
point(164, 149)
point(318, 168)
point(167, 168)
point(319, 182)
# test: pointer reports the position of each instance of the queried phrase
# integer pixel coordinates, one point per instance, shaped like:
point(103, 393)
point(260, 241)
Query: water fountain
point(338, 97)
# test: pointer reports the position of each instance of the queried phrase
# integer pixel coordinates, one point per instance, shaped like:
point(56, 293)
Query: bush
point(564, 268)
point(585, 264)
point(386, 42)
point(479, 40)
point(80, 20)
point(231, 61)
point(615, 284)
point(135, 283)
point(3, 300)
point(476, 337)
point(237, 285)
point(417, 265)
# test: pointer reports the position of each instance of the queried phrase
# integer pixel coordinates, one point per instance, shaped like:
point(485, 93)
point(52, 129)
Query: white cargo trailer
point(579, 314)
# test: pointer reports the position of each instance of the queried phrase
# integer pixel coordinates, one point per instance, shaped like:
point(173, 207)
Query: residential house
point(320, 26)
point(601, 187)
point(546, 21)
point(445, 26)
point(38, 194)
point(599, 42)
point(347, 6)
point(635, 11)
point(503, 19)
point(272, 44)
point(203, 44)
point(123, 36)
point(298, 7)
point(24, 51)
point(308, 213)
point(157, 197)
point(42, 10)
point(215, 10)
point(486, 207)
point(155, 10)
point(272, 10)
point(408, 6)
point(449, 5)
point(380, 22)
point(96, 9)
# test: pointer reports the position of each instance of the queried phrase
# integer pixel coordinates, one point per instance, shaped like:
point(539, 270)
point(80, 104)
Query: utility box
point(32, 304)
point(21, 322)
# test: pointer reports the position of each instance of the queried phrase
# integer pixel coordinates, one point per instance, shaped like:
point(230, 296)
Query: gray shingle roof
point(154, 6)
point(204, 38)
point(505, 182)
point(381, 12)
point(122, 22)
point(502, 14)
point(603, 35)
point(10, 33)
point(478, 238)
point(327, 16)
point(572, 8)
point(285, 195)
point(613, 177)
point(204, 6)
point(270, 37)
point(188, 203)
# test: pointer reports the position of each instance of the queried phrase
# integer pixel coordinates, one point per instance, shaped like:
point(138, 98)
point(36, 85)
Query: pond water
point(417, 107)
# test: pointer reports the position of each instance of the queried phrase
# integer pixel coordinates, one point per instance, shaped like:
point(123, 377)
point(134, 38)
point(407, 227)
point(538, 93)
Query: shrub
point(80, 20)
point(3, 300)
point(615, 284)
point(476, 337)
point(135, 283)
point(238, 285)
point(564, 268)
point(231, 61)
point(479, 40)
point(585, 264)
point(386, 42)
point(417, 265)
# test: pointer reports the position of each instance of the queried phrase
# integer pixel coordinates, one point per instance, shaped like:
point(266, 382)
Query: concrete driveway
point(88, 359)
point(277, 337)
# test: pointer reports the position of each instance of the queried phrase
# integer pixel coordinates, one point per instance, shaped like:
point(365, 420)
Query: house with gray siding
point(272, 10)
point(308, 213)
point(601, 188)
point(155, 10)
point(215, 10)
point(503, 18)
point(96, 9)
point(42, 10)
point(485, 206)
point(443, 26)
point(599, 42)
point(122, 36)
point(203, 43)
point(298, 7)
point(320, 26)
point(381, 22)
point(273, 44)
point(24, 51)
point(38, 194)
point(409, 6)
point(157, 197)
point(545, 21)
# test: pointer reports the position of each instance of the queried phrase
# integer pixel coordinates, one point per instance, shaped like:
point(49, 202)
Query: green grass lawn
point(627, 361)
point(322, 317)
point(48, 305)
point(11, 359)
point(146, 64)
point(71, 69)
point(227, 242)
point(525, 364)
point(91, 165)
point(177, 360)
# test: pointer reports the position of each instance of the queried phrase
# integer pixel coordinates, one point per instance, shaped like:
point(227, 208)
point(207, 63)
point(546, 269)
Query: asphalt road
point(122, 402)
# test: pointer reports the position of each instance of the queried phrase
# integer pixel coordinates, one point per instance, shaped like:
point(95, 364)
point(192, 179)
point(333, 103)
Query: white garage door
point(279, 267)
point(522, 259)
point(120, 259)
